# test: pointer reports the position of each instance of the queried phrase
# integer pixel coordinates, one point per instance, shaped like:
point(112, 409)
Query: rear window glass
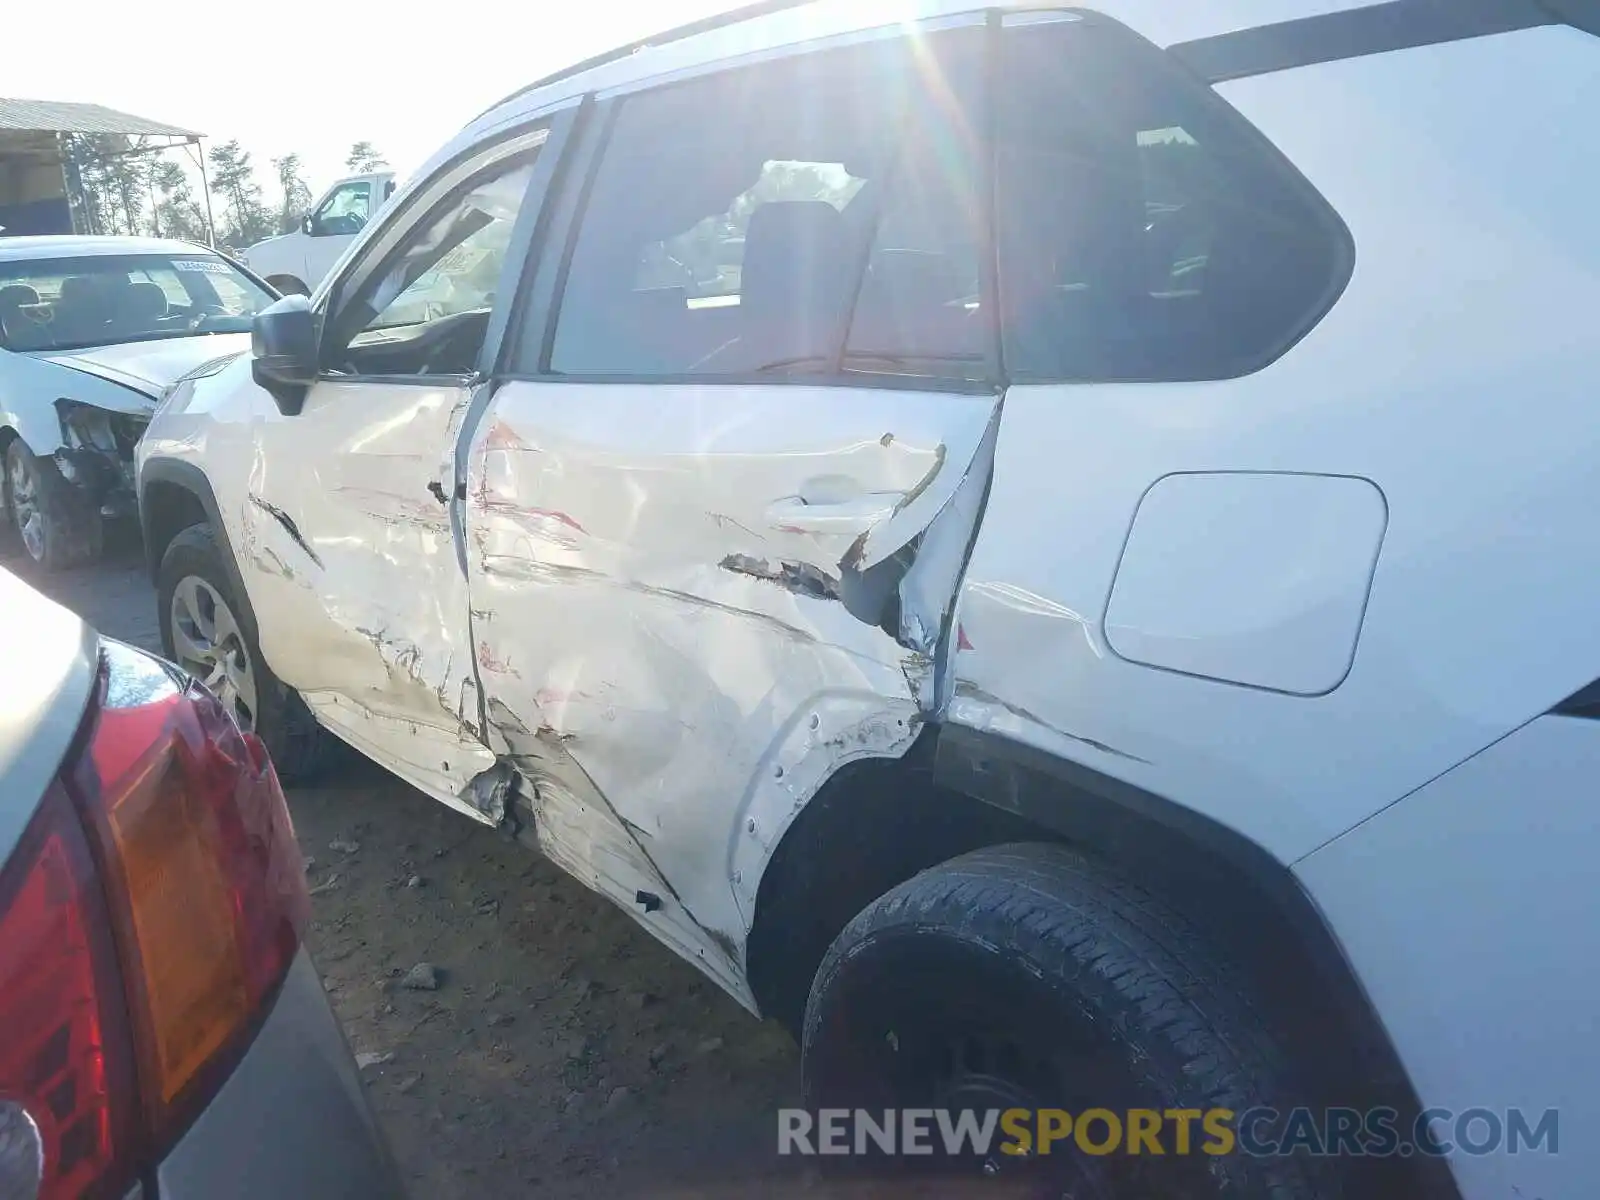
point(1145, 231)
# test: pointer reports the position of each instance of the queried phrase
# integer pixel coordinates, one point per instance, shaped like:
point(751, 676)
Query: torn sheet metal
point(286, 523)
point(801, 578)
point(696, 600)
point(559, 810)
point(925, 589)
point(803, 758)
point(451, 777)
point(96, 455)
point(490, 792)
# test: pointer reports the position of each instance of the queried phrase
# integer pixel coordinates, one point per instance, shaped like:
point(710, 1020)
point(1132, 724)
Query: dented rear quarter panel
point(1474, 418)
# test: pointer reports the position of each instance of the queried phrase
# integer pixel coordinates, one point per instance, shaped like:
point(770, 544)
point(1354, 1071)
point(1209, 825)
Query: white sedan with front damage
point(92, 331)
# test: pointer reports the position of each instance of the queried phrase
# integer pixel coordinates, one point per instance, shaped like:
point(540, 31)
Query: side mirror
point(307, 227)
point(283, 344)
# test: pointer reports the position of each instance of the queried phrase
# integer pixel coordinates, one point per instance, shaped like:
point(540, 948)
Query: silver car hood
point(150, 367)
point(51, 658)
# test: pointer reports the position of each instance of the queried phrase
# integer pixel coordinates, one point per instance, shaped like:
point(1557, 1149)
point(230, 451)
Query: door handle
point(855, 515)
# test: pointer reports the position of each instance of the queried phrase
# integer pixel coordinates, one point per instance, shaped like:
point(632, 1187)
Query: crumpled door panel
point(702, 602)
point(352, 567)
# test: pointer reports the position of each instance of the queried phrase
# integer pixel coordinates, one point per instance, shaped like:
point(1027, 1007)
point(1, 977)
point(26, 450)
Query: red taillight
point(202, 872)
point(142, 929)
point(64, 1051)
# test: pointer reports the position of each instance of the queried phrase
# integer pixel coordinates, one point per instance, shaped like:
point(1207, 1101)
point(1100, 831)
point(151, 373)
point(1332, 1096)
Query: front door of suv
point(717, 509)
point(352, 553)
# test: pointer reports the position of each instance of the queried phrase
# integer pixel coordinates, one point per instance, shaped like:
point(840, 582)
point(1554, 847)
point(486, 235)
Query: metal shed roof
point(58, 117)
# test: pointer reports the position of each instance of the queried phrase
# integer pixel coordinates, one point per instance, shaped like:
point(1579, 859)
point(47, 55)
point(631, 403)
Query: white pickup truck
point(295, 263)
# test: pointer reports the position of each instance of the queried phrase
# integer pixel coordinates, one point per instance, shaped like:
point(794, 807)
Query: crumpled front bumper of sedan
point(96, 454)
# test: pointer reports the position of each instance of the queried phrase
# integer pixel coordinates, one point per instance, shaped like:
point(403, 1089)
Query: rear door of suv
point(717, 508)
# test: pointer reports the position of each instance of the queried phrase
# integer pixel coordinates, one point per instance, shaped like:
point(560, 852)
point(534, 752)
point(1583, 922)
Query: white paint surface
point(1468, 911)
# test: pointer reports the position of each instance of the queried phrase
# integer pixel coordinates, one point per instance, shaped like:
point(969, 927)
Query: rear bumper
point(292, 1119)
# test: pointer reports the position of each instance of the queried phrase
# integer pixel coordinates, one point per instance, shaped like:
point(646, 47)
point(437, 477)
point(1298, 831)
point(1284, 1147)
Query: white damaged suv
point(1050, 549)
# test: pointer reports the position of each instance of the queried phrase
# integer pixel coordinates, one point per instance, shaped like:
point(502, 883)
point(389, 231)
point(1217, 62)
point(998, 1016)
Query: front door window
point(426, 311)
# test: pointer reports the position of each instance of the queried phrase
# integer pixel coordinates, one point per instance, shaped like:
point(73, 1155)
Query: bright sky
point(312, 76)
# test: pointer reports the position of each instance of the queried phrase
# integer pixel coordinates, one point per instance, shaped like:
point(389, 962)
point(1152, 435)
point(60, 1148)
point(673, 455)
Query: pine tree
point(364, 159)
point(233, 179)
point(296, 195)
point(178, 214)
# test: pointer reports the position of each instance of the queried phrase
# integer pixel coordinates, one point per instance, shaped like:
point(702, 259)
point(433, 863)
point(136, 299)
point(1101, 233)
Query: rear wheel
point(205, 630)
point(55, 524)
point(1027, 977)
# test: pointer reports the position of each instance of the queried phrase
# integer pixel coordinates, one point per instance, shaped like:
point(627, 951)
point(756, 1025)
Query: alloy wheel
point(22, 485)
point(208, 642)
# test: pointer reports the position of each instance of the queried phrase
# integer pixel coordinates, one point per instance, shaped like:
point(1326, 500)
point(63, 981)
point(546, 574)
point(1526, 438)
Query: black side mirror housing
point(283, 344)
point(306, 226)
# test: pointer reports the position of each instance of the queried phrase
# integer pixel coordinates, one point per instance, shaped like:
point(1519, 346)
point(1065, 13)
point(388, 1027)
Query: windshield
point(103, 300)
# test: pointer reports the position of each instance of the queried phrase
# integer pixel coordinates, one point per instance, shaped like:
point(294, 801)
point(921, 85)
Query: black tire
point(298, 745)
point(69, 532)
point(1028, 976)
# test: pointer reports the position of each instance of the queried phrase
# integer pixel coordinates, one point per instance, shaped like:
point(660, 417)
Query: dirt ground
point(563, 1050)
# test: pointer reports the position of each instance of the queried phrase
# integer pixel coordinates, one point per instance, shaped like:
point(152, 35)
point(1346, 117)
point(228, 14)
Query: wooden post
point(205, 186)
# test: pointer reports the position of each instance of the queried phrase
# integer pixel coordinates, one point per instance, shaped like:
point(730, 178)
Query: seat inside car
point(18, 329)
point(141, 305)
point(80, 310)
point(911, 304)
point(17, 295)
point(792, 286)
point(1076, 295)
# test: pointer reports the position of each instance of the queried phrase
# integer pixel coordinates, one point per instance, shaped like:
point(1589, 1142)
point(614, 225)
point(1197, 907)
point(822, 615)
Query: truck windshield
point(103, 300)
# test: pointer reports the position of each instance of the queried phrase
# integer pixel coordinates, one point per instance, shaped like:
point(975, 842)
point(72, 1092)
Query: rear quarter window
point(1145, 230)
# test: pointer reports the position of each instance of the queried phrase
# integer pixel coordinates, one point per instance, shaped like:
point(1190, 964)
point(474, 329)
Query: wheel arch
point(8, 434)
point(40, 432)
point(174, 495)
point(879, 822)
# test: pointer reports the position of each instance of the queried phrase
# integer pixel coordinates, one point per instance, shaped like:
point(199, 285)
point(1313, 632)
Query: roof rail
point(745, 12)
point(1373, 28)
